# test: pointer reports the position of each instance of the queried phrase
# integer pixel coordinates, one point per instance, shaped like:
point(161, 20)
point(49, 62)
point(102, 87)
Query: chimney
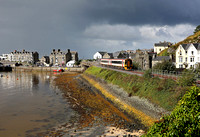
point(68, 50)
point(58, 50)
point(54, 50)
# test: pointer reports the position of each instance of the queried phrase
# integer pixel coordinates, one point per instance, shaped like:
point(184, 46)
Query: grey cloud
point(137, 12)
point(46, 24)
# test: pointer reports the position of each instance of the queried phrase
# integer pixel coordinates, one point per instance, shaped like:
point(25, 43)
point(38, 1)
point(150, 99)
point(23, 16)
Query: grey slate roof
point(160, 58)
point(110, 54)
point(197, 46)
point(102, 52)
point(185, 46)
point(164, 44)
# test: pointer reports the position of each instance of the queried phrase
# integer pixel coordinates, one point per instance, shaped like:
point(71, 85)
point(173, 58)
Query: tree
point(165, 65)
point(78, 62)
point(197, 29)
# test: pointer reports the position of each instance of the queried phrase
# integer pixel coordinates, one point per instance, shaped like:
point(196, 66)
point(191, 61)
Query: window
point(185, 59)
point(180, 53)
point(117, 62)
point(192, 59)
point(181, 66)
point(192, 52)
point(104, 61)
point(180, 59)
point(185, 52)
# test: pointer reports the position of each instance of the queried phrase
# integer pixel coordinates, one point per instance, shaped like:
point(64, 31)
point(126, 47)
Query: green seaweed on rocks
point(184, 119)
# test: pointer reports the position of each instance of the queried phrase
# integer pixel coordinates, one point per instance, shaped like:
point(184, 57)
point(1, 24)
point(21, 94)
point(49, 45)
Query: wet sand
point(96, 116)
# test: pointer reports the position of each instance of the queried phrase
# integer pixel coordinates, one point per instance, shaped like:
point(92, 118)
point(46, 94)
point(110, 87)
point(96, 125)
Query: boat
point(58, 70)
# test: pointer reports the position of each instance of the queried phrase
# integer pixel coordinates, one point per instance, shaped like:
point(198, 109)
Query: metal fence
point(170, 74)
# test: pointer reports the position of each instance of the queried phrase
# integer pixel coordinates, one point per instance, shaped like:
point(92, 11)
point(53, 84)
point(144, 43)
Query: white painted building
point(158, 47)
point(99, 55)
point(188, 55)
point(70, 63)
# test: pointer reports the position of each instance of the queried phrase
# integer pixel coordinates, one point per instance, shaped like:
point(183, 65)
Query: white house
point(70, 63)
point(158, 47)
point(99, 55)
point(188, 55)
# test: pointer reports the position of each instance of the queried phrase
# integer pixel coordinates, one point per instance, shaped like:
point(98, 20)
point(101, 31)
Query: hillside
point(195, 38)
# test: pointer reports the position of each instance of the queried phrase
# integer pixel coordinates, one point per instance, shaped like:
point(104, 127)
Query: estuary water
point(29, 104)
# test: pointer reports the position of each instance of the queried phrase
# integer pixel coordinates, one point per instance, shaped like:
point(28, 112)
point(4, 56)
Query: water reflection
point(28, 104)
point(35, 81)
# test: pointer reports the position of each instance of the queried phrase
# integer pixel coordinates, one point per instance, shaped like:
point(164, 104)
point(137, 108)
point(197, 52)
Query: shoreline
point(98, 116)
point(142, 109)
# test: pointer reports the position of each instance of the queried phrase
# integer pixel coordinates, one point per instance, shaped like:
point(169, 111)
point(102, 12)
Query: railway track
point(139, 73)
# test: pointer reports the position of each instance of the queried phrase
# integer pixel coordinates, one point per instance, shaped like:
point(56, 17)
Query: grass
point(165, 93)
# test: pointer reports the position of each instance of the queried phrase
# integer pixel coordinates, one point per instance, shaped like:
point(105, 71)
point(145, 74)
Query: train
point(126, 64)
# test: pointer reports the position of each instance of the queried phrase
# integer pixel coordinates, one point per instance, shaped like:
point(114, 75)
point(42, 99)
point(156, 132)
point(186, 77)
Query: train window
point(117, 62)
point(104, 61)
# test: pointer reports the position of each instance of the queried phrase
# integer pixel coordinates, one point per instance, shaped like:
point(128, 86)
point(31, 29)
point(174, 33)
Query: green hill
point(195, 38)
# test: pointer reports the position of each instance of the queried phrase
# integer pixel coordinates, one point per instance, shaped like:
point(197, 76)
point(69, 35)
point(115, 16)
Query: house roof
point(163, 44)
point(197, 46)
point(102, 52)
point(185, 46)
point(110, 54)
point(160, 58)
point(116, 54)
point(73, 52)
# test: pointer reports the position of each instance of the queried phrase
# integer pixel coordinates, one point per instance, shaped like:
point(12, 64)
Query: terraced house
point(23, 56)
point(188, 55)
point(60, 58)
point(158, 47)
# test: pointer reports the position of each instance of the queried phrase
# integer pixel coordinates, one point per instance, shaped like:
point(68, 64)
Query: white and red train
point(119, 63)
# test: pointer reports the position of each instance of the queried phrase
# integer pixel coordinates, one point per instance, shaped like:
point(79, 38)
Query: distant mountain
point(195, 38)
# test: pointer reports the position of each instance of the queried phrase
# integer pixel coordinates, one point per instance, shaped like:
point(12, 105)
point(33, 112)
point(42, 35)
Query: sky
point(88, 26)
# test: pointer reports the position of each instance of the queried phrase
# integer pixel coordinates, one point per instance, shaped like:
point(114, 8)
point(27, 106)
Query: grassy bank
point(164, 93)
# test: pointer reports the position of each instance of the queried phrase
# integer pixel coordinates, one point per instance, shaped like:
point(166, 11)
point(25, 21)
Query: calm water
point(29, 104)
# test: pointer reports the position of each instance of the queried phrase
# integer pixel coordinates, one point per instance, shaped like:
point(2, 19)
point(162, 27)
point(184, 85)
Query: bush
point(136, 66)
point(147, 74)
point(183, 121)
point(187, 78)
point(165, 65)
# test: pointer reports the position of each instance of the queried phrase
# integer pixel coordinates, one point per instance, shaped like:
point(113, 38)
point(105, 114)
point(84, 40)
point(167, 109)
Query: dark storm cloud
point(81, 24)
point(137, 12)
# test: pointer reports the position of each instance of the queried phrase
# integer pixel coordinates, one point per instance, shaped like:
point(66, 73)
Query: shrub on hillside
point(136, 66)
point(188, 78)
point(147, 73)
point(183, 121)
point(165, 65)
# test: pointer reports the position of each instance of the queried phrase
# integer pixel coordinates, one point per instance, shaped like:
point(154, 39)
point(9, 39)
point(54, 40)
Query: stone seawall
point(47, 69)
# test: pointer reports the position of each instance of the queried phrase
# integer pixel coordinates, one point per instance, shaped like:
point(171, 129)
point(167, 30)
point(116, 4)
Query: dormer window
point(185, 52)
point(192, 52)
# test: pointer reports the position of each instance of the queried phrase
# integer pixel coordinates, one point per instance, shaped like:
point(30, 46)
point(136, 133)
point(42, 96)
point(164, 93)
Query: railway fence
point(168, 74)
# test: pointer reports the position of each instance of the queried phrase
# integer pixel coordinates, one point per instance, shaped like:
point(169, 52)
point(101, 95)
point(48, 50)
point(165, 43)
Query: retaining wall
point(47, 69)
